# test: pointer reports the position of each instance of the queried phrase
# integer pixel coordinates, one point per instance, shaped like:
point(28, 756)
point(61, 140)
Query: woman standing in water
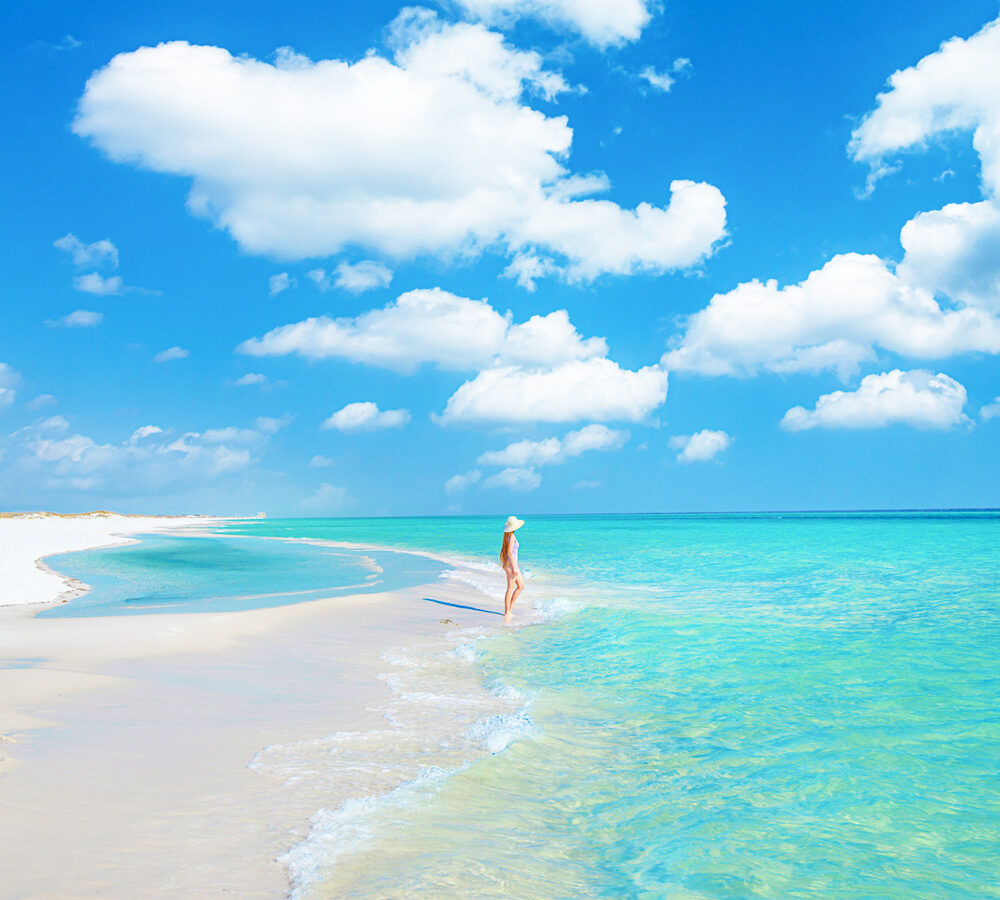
point(508, 559)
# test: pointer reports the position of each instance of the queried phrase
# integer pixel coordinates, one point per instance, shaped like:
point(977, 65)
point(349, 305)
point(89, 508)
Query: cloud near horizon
point(50, 454)
point(917, 398)
point(552, 451)
point(300, 159)
point(701, 446)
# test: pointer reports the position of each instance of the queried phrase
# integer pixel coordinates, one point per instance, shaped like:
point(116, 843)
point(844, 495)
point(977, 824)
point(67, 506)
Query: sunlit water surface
point(725, 706)
point(700, 707)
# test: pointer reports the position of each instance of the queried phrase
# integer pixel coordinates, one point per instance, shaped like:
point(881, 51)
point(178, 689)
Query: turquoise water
point(222, 573)
point(730, 706)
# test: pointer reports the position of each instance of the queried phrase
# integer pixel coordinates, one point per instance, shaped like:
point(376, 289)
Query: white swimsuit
point(511, 563)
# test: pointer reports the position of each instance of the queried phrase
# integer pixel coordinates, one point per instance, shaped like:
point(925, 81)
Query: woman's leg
point(518, 587)
point(509, 596)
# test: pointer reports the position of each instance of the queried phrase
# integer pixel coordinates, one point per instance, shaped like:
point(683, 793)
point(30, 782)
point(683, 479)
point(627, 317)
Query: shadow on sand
point(491, 612)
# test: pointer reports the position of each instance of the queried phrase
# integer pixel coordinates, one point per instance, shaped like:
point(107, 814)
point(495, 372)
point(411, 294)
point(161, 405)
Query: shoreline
point(28, 539)
point(163, 714)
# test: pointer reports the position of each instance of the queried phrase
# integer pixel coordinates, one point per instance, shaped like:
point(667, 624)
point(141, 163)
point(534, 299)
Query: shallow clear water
point(221, 573)
point(731, 706)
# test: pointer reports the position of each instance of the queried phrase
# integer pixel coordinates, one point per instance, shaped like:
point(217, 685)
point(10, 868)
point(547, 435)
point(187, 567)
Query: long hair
point(505, 547)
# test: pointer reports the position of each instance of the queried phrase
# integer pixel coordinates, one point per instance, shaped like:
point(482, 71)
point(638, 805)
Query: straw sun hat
point(513, 523)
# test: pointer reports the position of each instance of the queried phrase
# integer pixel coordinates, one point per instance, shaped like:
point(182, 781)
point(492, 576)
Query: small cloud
point(95, 283)
point(586, 485)
point(320, 279)
point(682, 65)
point(661, 81)
point(460, 482)
point(10, 378)
point(272, 426)
point(280, 282)
point(96, 255)
point(327, 498)
point(321, 462)
point(144, 432)
point(990, 410)
point(362, 276)
point(67, 43)
point(171, 353)
point(41, 401)
point(250, 378)
point(54, 423)
point(366, 416)
point(945, 175)
point(555, 450)
point(81, 318)
point(514, 479)
point(527, 268)
point(701, 446)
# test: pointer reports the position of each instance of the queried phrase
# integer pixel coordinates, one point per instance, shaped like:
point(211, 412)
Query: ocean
point(696, 706)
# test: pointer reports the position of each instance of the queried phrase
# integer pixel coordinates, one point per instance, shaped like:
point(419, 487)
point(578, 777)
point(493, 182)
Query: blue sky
point(495, 255)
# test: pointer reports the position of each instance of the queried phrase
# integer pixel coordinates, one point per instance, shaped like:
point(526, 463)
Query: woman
point(508, 559)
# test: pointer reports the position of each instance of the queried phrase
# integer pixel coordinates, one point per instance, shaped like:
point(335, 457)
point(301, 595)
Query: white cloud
point(95, 283)
point(524, 453)
point(67, 43)
point(664, 81)
point(279, 283)
point(553, 450)
point(88, 256)
point(954, 251)
point(514, 479)
point(327, 498)
point(430, 326)
point(835, 319)
point(458, 483)
point(171, 353)
point(81, 318)
point(700, 446)
point(270, 425)
point(144, 432)
point(41, 401)
point(916, 398)
point(321, 462)
point(51, 457)
point(432, 152)
point(362, 276)
point(366, 416)
point(250, 378)
point(659, 80)
point(990, 410)
point(10, 378)
point(956, 88)
point(596, 389)
point(527, 268)
point(942, 299)
point(586, 485)
point(319, 277)
point(602, 22)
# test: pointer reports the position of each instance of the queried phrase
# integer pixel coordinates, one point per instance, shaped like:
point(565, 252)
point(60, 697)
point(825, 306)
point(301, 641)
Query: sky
point(499, 256)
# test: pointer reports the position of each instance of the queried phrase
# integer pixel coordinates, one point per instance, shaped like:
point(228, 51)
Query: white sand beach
point(126, 742)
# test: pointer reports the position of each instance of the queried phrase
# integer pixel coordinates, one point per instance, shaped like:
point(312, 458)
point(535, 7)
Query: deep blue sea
point(708, 706)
